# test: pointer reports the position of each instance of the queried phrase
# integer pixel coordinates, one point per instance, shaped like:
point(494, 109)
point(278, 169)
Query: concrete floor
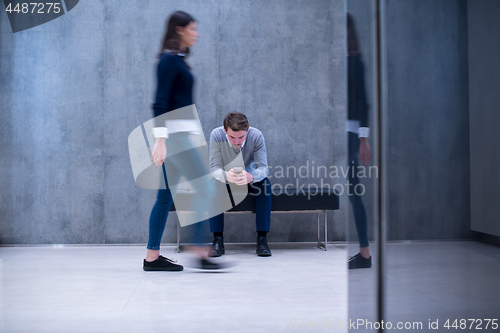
point(432, 281)
point(103, 289)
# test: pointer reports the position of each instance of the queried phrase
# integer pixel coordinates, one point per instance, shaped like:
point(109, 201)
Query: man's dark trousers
point(262, 191)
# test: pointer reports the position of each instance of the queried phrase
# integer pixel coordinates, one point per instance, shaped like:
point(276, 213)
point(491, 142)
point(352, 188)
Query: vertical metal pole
point(326, 228)
point(178, 237)
point(319, 241)
point(379, 157)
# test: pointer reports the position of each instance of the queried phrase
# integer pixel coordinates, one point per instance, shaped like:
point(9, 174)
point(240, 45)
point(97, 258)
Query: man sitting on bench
point(235, 137)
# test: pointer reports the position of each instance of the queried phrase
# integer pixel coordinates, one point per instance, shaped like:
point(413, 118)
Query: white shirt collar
point(179, 54)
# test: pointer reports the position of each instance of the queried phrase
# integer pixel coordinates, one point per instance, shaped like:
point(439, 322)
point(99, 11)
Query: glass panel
point(361, 163)
point(439, 93)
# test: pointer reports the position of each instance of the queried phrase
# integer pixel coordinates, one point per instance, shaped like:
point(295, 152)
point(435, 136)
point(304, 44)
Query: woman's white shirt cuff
point(363, 132)
point(160, 132)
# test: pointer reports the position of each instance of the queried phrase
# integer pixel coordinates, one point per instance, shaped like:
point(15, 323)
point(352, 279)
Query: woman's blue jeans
point(165, 198)
point(358, 207)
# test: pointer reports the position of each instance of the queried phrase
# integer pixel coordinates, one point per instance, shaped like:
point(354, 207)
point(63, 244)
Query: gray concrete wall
point(74, 88)
point(484, 113)
point(428, 152)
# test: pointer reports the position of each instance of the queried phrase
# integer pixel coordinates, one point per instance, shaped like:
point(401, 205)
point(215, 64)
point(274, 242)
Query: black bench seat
point(290, 201)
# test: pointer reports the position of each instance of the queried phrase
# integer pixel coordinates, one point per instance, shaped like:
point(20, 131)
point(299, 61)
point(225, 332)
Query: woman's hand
point(159, 152)
point(364, 151)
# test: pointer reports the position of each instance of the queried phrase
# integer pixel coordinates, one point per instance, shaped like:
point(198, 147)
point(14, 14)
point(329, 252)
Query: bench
point(289, 201)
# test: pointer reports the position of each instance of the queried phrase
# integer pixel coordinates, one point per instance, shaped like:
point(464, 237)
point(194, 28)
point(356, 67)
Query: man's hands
point(248, 176)
point(159, 152)
point(241, 178)
point(364, 151)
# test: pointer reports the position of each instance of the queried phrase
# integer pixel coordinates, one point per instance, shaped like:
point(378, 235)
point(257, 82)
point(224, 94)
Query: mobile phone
point(237, 169)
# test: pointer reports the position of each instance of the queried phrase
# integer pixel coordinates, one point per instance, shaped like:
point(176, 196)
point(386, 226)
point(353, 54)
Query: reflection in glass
point(440, 86)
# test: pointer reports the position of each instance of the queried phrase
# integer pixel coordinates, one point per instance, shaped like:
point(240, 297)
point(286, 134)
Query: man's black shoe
point(358, 261)
point(262, 247)
point(161, 264)
point(217, 248)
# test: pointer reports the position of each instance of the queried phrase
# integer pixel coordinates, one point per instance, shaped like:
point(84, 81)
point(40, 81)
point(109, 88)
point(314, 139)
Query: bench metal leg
point(178, 237)
point(322, 245)
point(326, 228)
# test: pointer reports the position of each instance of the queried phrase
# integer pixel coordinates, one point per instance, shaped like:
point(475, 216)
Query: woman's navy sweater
point(175, 85)
point(357, 104)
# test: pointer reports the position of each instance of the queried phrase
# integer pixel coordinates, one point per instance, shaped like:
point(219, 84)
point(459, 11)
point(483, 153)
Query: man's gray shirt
point(253, 151)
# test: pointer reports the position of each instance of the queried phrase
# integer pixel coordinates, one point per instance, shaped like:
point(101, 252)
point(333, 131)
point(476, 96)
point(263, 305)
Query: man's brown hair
point(236, 121)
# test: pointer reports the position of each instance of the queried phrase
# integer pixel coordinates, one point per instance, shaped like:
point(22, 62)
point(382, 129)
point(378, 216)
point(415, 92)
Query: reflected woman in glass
point(359, 148)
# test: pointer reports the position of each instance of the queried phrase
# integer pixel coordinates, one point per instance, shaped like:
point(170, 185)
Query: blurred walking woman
point(174, 91)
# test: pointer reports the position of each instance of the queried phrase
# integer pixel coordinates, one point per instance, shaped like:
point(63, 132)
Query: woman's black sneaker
point(209, 265)
point(161, 264)
point(358, 261)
